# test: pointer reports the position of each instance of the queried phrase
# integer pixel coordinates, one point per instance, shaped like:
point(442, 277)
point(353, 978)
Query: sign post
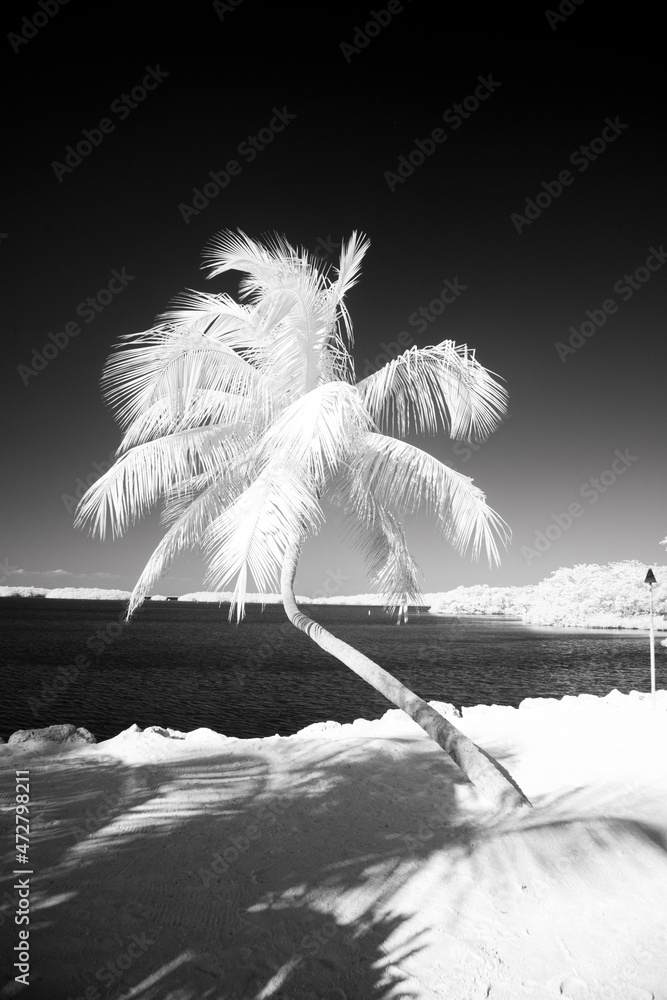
point(650, 579)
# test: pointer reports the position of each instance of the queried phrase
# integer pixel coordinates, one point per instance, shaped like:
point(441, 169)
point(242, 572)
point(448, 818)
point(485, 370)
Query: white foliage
point(584, 596)
point(241, 417)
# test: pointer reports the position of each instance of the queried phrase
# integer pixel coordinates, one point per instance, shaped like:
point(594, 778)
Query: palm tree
point(243, 416)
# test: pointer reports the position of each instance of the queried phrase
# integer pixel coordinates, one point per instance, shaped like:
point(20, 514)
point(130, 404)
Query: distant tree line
point(588, 595)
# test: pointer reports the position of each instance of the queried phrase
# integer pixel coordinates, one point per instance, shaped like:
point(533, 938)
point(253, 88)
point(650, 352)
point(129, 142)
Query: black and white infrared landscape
point(333, 589)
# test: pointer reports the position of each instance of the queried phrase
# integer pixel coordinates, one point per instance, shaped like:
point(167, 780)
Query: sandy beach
point(350, 861)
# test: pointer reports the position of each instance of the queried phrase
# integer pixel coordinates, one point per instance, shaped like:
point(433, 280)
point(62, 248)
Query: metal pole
point(650, 590)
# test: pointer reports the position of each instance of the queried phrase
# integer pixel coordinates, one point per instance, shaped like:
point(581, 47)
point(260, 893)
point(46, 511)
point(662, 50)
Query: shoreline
point(392, 719)
point(634, 624)
point(628, 625)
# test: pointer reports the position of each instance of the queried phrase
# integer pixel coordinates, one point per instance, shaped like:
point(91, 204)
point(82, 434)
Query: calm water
point(184, 666)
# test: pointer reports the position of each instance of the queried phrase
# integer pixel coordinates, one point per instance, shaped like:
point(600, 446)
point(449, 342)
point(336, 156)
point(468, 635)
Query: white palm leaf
point(206, 408)
point(271, 314)
point(379, 537)
point(300, 306)
point(250, 536)
point(407, 480)
point(236, 475)
point(428, 386)
point(177, 364)
point(230, 322)
point(317, 431)
point(336, 365)
point(351, 255)
point(192, 513)
point(261, 264)
point(291, 353)
point(139, 478)
point(349, 268)
point(308, 328)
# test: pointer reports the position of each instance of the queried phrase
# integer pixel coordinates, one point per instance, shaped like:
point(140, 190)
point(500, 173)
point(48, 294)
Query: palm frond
point(297, 340)
point(351, 255)
point(379, 537)
point(296, 303)
point(236, 414)
point(262, 264)
point(220, 316)
point(138, 479)
point(407, 480)
point(192, 512)
point(177, 364)
point(317, 432)
point(250, 536)
point(241, 415)
point(428, 386)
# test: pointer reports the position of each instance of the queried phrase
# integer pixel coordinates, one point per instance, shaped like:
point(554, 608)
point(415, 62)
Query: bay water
point(184, 665)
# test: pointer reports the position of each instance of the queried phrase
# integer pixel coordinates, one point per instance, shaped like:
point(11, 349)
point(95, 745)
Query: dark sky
point(584, 94)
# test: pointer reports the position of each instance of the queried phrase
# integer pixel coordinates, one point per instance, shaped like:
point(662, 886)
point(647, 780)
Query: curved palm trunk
point(485, 773)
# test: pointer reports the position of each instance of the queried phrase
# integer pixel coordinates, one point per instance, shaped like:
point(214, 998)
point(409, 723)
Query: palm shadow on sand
point(293, 875)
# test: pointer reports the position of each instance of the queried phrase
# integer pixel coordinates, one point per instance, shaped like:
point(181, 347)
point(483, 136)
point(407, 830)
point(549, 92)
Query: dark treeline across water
point(183, 665)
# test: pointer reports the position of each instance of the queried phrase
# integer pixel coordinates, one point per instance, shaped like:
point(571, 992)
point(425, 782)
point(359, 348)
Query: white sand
point(352, 862)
